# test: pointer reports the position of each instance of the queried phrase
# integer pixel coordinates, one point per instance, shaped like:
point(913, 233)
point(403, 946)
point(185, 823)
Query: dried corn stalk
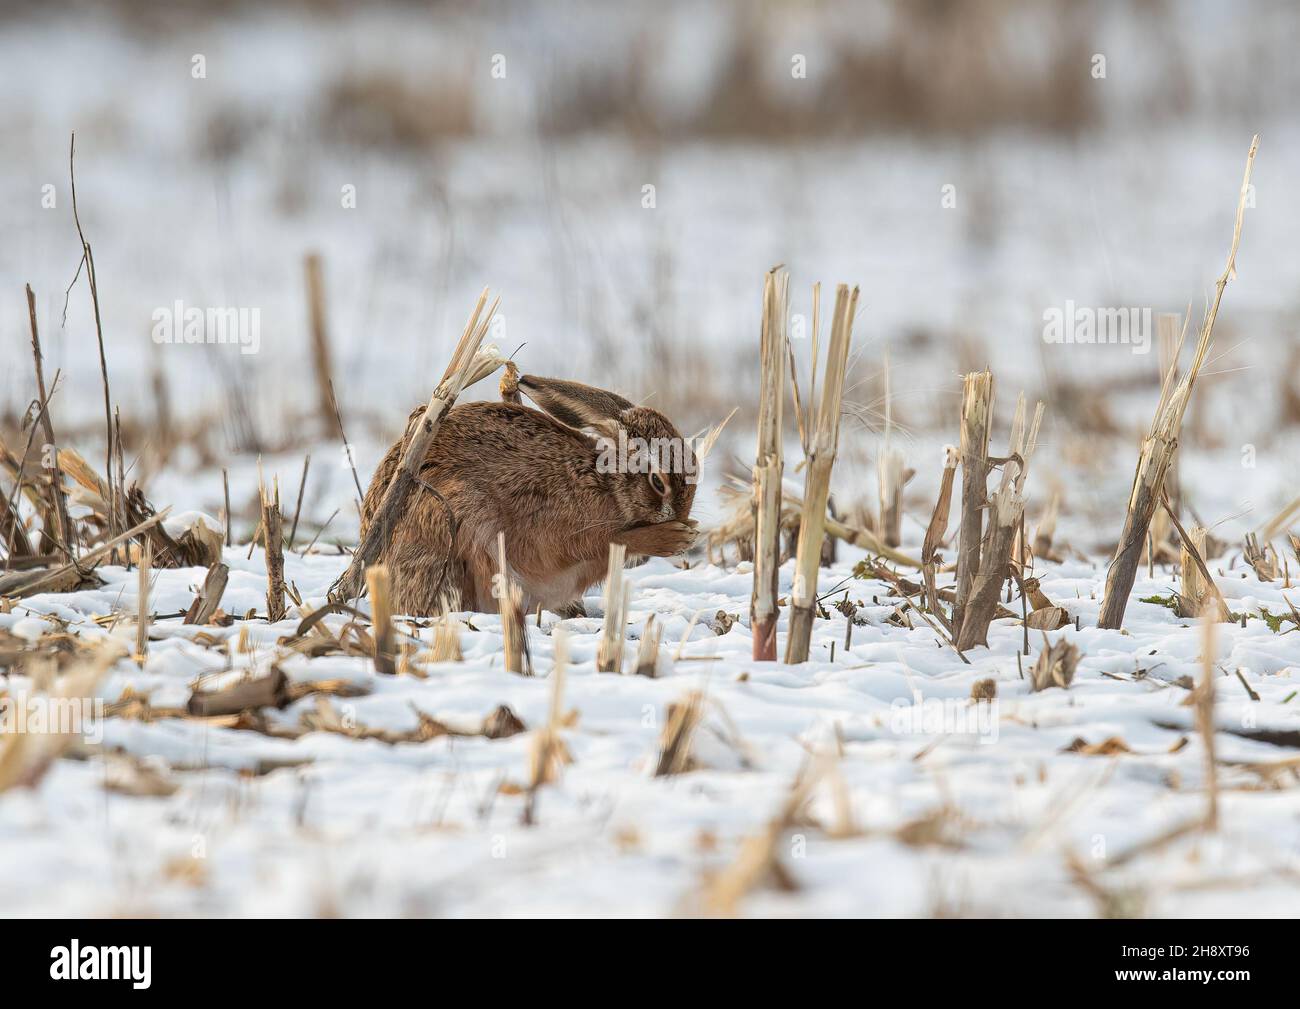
point(1170, 329)
point(547, 754)
point(891, 471)
point(271, 538)
point(1262, 559)
point(609, 653)
point(514, 632)
point(1055, 666)
point(468, 365)
point(1006, 511)
point(769, 465)
point(1203, 698)
point(446, 640)
point(976, 410)
point(1192, 587)
point(320, 341)
point(1045, 531)
point(208, 601)
point(1212, 598)
point(1162, 440)
point(936, 531)
point(647, 653)
point(891, 477)
point(1279, 522)
point(142, 616)
point(823, 439)
point(381, 614)
point(683, 719)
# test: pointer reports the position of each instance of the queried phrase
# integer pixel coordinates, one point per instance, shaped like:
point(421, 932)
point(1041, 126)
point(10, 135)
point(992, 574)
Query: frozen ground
point(937, 822)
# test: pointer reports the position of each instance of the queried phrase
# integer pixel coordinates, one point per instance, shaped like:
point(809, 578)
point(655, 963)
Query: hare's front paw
point(662, 539)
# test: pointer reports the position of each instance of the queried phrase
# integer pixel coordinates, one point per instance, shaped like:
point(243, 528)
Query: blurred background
point(623, 175)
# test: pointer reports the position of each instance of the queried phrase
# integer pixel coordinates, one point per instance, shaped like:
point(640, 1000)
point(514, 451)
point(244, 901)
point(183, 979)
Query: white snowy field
point(926, 805)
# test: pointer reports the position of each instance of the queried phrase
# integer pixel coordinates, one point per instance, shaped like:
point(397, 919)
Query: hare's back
point(492, 460)
point(504, 442)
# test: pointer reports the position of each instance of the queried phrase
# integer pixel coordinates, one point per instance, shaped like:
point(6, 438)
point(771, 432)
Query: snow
point(358, 826)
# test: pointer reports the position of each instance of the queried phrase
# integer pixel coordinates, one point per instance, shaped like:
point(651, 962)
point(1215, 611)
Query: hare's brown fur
point(505, 467)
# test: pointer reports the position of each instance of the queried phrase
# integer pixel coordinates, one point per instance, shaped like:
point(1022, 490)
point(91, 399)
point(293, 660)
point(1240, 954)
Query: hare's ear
point(575, 404)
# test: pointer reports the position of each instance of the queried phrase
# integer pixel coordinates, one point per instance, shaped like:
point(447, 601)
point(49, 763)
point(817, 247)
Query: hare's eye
point(657, 482)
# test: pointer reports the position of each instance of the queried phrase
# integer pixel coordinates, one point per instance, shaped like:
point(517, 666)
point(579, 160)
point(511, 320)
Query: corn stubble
point(823, 441)
point(1162, 439)
point(1006, 512)
point(618, 596)
point(976, 409)
point(769, 465)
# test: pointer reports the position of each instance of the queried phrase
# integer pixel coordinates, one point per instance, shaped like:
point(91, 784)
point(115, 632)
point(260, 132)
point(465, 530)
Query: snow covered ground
point(923, 810)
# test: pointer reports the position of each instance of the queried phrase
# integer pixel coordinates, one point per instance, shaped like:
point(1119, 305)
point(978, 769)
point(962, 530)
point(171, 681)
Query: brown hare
point(562, 485)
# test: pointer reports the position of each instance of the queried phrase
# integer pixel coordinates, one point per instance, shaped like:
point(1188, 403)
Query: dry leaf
point(1109, 747)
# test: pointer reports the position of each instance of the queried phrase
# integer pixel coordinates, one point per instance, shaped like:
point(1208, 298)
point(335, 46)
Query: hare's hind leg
point(424, 585)
point(479, 581)
point(425, 569)
point(482, 584)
